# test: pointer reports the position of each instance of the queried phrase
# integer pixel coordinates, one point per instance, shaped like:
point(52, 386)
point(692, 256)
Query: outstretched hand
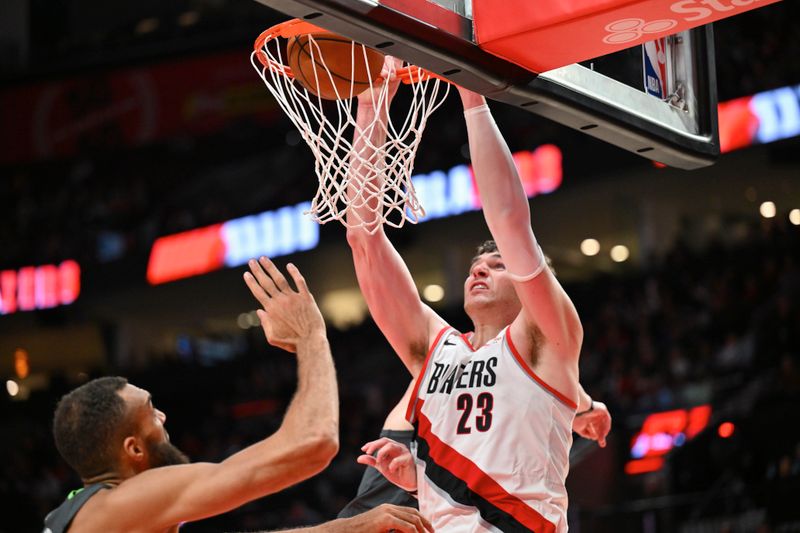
point(391, 459)
point(287, 315)
point(594, 424)
point(388, 517)
point(388, 75)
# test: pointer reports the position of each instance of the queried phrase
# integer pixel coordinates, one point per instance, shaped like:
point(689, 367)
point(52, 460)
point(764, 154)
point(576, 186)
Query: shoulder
point(438, 334)
point(60, 518)
point(93, 513)
point(437, 328)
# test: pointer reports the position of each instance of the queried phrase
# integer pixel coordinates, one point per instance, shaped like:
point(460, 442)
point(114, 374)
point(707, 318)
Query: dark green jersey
point(59, 519)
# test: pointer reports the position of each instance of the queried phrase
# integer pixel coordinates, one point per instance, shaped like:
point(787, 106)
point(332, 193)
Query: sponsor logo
point(632, 29)
point(654, 59)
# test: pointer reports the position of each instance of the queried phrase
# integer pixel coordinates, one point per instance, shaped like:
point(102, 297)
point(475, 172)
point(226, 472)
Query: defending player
point(136, 481)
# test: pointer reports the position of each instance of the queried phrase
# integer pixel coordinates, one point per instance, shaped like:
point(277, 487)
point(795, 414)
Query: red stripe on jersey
point(479, 481)
point(569, 403)
point(467, 341)
point(413, 400)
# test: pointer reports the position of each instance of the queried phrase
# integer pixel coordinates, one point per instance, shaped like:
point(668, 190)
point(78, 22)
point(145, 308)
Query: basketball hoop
point(381, 188)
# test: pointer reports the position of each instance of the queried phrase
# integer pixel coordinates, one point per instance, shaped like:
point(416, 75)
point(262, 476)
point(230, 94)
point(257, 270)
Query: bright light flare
point(620, 253)
point(433, 293)
point(768, 209)
point(590, 247)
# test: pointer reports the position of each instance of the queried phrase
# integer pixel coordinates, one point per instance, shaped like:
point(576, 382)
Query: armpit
point(536, 339)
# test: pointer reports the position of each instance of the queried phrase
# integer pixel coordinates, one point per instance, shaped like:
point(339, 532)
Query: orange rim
point(294, 27)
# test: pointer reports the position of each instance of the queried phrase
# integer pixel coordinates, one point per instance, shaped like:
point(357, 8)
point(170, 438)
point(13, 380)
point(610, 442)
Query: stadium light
point(590, 247)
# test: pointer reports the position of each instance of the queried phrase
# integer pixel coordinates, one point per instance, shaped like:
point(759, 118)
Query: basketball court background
point(123, 125)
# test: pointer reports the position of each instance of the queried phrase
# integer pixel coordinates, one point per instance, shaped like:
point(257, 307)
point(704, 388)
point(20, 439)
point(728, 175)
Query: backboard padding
point(440, 40)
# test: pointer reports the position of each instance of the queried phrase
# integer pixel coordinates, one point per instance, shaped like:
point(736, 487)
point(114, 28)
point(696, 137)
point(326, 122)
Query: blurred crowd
point(757, 51)
point(655, 339)
point(717, 325)
point(108, 207)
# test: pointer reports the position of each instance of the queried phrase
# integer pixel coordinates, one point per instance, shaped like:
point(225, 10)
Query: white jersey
point(493, 439)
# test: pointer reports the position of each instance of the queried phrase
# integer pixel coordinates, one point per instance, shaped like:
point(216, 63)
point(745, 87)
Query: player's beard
point(165, 454)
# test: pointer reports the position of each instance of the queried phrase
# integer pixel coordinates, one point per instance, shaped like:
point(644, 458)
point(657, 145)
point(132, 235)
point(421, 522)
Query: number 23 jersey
point(493, 439)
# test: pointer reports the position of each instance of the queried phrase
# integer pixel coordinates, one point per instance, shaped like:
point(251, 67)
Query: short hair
point(87, 424)
point(486, 247)
point(490, 247)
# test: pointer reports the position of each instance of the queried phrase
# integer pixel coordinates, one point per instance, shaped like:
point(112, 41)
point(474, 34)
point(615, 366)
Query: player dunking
point(493, 409)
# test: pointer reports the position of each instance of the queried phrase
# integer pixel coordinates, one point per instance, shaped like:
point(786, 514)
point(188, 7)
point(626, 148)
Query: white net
point(366, 183)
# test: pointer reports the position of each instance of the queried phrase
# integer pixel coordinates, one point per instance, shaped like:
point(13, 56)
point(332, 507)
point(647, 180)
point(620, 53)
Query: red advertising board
point(536, 35)
point(129, 107)
point(39, 287)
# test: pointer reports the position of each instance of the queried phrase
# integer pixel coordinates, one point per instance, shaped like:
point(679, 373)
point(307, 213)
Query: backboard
point(605, 97)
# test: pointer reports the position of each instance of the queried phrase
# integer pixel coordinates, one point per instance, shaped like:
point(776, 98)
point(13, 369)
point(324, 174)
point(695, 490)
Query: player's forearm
point(367, 127)
point(340, 525)
point(366, 164)
point(505, 205)
point(499, 186)
point(354, 524)
point(302, 447)
point(313, 415)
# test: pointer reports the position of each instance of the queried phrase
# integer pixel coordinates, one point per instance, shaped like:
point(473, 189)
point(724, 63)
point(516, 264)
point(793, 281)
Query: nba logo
point(654, 57)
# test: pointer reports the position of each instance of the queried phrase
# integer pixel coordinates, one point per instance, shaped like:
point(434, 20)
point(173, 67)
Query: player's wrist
point(411, 488)
point(589, 410)
point(312, 339)
point(476, 110)
point(471, 99)
point(538, 269)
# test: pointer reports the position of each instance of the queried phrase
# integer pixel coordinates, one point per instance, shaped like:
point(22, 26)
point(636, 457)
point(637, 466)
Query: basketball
point(337, 67)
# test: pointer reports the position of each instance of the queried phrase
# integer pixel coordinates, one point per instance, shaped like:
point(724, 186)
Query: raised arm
point(546, 307)
point(383, 276)
point(303, 445)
